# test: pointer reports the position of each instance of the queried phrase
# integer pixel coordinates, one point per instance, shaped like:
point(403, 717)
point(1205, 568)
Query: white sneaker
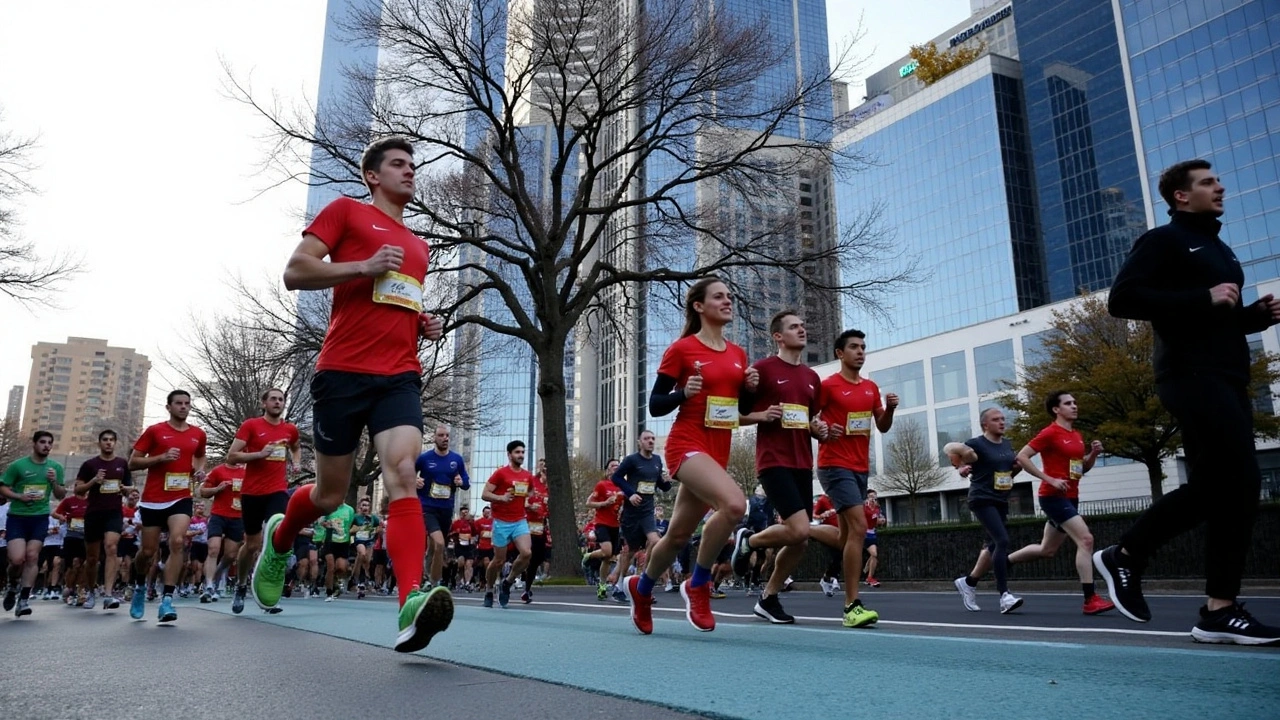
point(669, 587)
point(835, 585)
point(969, 595)
point(330, 598)
point(1009, 602)
point(827, 588)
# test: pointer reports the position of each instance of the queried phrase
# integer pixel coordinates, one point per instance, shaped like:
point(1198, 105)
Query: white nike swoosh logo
point(846, 392)
point(781, 381)
point(1197, 248)
point(375, 227)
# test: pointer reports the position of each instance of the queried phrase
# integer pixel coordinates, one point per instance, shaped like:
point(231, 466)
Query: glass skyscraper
point(953, 183)
point(1082, 141)
point(1206, 84)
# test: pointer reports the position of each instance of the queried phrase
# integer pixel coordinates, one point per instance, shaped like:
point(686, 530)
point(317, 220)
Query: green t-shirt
point(29, 479)
point(364, 526)
point(317, 537)
point(340, 523)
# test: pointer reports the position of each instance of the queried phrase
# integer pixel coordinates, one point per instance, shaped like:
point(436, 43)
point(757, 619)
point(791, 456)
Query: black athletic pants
point(1215, 414)
point(538, 546)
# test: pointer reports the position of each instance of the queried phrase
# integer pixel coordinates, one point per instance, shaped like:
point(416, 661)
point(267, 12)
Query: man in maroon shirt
point(784, 408)
point(105, 478)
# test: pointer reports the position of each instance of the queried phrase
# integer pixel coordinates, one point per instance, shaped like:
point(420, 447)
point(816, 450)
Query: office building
point(13, 413)
point(1205, 83)
point(81, 387)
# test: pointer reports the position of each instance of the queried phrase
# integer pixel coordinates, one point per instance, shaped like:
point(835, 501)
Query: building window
point(1035, 346)
point(949, 378)
point(905, 380)
point(952, 426)
point(993, 364)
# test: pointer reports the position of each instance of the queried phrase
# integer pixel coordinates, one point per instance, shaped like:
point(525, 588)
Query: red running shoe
point(697, 606)
point(1097, 605)
point(641, 605)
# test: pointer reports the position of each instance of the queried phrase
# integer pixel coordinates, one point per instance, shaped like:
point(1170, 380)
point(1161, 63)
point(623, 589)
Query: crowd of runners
point(260, 526)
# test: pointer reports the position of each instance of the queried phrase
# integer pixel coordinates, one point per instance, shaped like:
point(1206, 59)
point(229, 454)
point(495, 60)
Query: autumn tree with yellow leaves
point(933, 64)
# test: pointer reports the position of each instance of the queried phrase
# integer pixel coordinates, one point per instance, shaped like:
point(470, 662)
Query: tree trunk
point(555, 450)
point(1155, 473)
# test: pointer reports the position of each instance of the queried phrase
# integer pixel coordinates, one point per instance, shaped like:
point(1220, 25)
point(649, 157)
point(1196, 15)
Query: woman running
point(703, 375)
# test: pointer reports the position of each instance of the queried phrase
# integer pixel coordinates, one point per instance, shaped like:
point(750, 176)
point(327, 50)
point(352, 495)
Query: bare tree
point(24, 276)
point(742, 461)
point(910, 468)
point(584, 473)
point(582, 163)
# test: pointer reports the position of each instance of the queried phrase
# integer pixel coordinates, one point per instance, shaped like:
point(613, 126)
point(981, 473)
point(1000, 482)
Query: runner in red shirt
point(871, 509)
point(483, 532)
point(172, 453)
point(824, 511)
point(703, 375)
point(226, 527)
point(784, 408)
point(536, 512)
point(506, 492)
point(462, 535)
point(849, 406)
point(71, 513)
point(368, 377)
point(606, 500)
point(265, 446)
point(1065, 462)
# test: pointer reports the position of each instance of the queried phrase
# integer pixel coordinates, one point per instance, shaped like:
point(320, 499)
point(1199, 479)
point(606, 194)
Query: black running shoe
point(1124, 581)
point(770, 608)
point(1233, 625)
point(10, 597)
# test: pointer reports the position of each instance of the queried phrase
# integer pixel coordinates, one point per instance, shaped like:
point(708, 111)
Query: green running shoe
point(422, 616)
point(857, 616)
point(269, 571)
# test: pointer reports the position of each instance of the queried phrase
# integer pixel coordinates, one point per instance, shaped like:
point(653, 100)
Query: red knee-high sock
point(406, 543)
point(300, 513)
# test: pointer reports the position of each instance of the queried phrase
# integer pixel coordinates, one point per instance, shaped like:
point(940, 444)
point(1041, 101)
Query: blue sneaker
point(138, 605)
point(488, 599)
point(504, 594)
point(167, 613)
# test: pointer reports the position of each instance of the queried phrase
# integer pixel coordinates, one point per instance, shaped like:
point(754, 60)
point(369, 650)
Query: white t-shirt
point(4, 519)
point(54, 537)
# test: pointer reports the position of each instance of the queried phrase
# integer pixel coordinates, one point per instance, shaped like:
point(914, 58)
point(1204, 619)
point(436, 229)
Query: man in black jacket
point(1187, 282)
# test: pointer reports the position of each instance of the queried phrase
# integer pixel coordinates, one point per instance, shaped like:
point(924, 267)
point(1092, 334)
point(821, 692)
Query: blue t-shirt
point(638, 475)
point(437, 472)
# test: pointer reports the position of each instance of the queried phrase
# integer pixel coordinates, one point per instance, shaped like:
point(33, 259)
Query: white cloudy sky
point(148, 172)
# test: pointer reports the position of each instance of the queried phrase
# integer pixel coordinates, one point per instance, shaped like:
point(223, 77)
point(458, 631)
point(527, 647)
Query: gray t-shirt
point(991, 477)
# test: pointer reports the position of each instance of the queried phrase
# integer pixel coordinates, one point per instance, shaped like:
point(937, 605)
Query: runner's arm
point(308, 270)
point(141, 461)
point(237, 456)
point(619, 477)
point(959, 451)
point(664, 398)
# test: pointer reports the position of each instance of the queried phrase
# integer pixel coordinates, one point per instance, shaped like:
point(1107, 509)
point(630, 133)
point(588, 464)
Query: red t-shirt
point(785, 443)
point(706, 421)
point(130, 516)
point(1062, 453)
point(73, 508)
point(535, 507)
point(462, 532)
point(850, 406)
point(373, 327)
point(226, 503)
point(872, 514)
point(609, 514)
point(170, 481)
point(268, 475)
point(519, 482)
point(823, 504)
point(484, 529)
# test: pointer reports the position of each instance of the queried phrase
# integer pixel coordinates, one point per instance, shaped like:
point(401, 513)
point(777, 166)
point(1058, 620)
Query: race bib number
point(535, 528)
point(464, 539)
point(1004, 481)
point(520, 489)
point(394, 288)
point(440, 492)
point(279, 453)
point(858, 423)
point(110, 486)
point(1076, 469)
point(236, 484)
point(173, 482)
point(34, 492)
point(646, 487)
point(235, 503)
point(76, 525)
point(795, 417)
point(486, 534)
point(722, 413)
point(362, 536)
